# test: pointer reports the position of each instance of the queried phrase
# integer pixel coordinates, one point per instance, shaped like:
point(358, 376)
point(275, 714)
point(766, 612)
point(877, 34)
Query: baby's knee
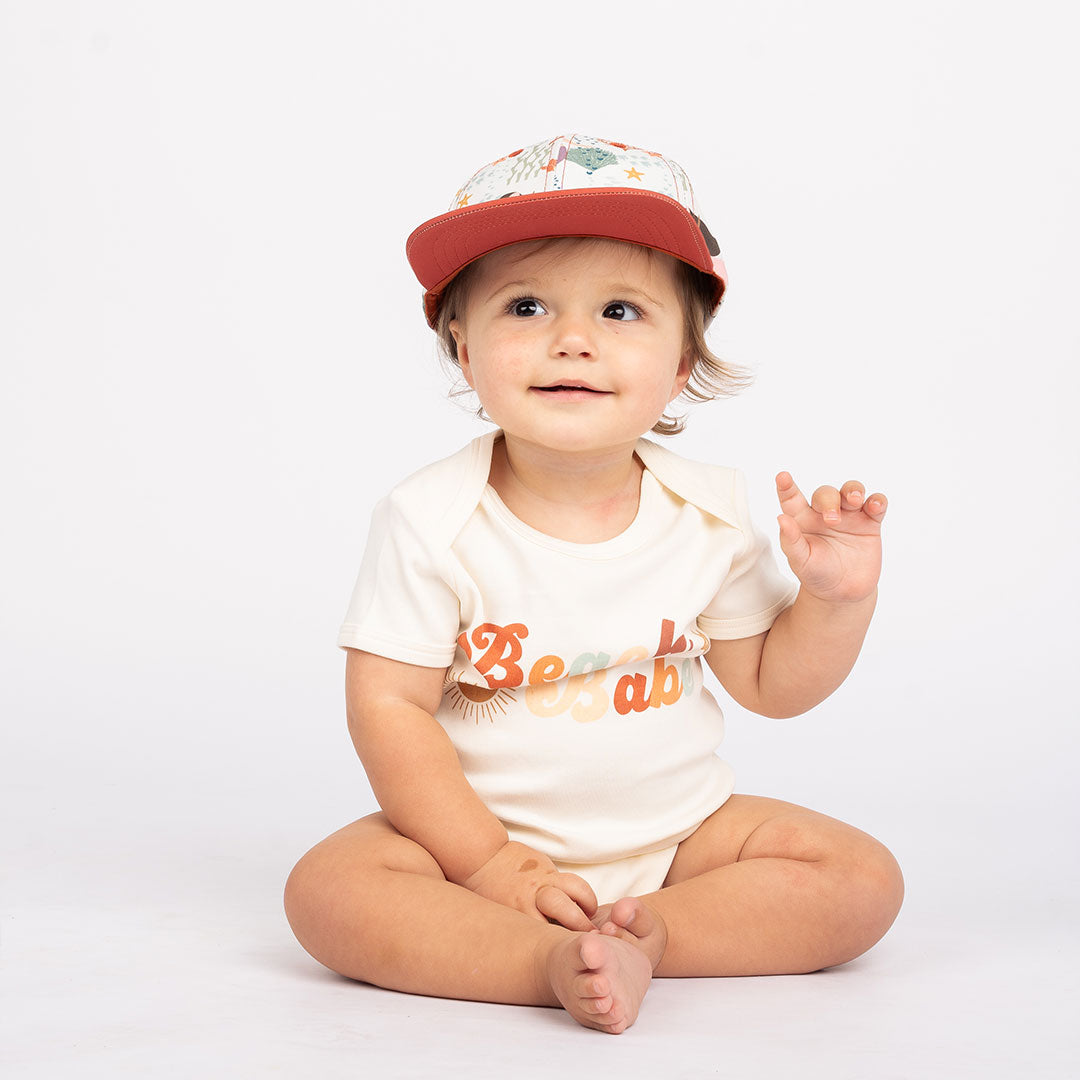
point(306, 893)
point(877, 892)
point(327, 896)
point(336, 896)
point(886, 880)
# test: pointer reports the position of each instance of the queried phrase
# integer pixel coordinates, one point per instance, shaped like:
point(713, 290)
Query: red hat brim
point(441, 248)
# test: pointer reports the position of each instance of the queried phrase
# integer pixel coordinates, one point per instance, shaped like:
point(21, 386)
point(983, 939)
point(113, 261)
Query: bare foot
point(600, 981)
point(631, 920)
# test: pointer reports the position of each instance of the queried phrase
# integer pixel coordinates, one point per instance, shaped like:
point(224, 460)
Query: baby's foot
point(635, 922)
point(600, 981)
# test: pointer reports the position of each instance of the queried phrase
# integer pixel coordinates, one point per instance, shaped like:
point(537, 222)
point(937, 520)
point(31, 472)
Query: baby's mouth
point(564, 388)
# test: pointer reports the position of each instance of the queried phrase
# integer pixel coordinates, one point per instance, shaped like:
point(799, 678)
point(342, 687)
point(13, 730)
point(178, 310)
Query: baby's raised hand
point(521, 878)
point(832, 543)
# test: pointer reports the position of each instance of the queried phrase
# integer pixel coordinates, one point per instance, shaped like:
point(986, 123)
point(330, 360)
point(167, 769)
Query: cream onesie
point(574, 693)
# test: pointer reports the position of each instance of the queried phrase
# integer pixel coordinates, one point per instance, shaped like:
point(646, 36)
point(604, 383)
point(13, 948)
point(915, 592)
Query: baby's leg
point(373, 905)
point(764, 887)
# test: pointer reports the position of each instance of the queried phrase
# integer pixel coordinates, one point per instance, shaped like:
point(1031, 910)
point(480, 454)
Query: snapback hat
point(573, 185)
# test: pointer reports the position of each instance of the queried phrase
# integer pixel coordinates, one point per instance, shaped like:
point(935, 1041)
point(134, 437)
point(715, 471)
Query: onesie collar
point(690, 480)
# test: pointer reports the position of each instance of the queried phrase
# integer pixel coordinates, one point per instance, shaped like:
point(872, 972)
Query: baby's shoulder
point(437, 499)
point(717, 489)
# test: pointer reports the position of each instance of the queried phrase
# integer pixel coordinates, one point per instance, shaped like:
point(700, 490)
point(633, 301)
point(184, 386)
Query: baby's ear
point(457, 331)
point(682, 373)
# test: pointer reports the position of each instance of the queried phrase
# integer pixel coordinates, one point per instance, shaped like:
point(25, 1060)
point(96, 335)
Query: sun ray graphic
point(475, 701)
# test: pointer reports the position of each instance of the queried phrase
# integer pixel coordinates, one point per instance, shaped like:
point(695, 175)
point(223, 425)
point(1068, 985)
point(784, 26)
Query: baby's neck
point(585, 499)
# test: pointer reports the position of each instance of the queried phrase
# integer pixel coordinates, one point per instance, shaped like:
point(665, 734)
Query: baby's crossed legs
point(762, 887)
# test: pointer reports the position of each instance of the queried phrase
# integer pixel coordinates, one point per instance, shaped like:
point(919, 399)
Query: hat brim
point(441, 248)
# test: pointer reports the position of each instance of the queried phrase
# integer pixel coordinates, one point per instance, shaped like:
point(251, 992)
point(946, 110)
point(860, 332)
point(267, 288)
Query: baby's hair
point(710, 377)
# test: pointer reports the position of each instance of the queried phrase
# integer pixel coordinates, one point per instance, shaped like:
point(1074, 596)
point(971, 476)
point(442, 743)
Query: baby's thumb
point(792, 542)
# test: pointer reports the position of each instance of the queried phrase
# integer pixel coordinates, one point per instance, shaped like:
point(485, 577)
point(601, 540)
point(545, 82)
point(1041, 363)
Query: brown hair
point(710, 377)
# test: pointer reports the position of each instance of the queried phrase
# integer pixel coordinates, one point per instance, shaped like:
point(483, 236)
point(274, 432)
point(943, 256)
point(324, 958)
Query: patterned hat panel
point(574, 162)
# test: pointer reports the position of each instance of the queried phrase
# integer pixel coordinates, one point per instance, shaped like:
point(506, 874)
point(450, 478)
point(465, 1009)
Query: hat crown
point(573, 185)
point(575, 162)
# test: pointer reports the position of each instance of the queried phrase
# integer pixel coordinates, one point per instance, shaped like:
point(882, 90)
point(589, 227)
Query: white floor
point(135, 945)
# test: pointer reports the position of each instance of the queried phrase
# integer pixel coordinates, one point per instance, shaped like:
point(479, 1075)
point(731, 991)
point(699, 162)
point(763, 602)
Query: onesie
point(574, 692)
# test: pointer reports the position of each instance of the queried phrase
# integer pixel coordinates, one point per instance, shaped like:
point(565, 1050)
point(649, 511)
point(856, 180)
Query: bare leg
point(373, 905)
point(762, 888)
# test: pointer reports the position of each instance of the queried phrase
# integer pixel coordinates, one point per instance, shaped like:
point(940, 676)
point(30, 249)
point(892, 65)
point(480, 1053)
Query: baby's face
point(574, 345)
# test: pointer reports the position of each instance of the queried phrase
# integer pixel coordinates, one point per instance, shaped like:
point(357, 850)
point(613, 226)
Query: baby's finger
point(792, 500)
point(555, 905)
point(876, 506)
point(579, 890)
point(852, 495)
point(826, 501)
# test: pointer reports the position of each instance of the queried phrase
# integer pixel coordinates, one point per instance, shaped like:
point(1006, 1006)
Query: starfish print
point(633, 174)
point(464, 201)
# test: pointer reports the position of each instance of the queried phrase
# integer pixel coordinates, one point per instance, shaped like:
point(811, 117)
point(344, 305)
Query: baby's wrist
point(462, 872)
point(839, 602)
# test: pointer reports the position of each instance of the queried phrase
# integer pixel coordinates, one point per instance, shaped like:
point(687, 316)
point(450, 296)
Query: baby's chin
point(571, 440)
point(584, 430)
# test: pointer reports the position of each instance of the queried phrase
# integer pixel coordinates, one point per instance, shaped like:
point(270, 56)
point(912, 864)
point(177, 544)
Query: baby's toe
point(591, 985)
point(594, 951)
point(615, 1016)
point(631, 914)
point(637, 921)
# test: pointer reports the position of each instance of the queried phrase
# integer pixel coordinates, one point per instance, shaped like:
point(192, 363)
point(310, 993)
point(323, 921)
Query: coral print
point(530, 162)
point(567, 163)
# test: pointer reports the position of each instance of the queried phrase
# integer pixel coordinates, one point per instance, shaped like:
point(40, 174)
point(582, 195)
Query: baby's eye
point(526, 307)
point(622, 312)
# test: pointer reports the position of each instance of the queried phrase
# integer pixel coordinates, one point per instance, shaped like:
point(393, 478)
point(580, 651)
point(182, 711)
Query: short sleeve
point(403, 606)
point(754, 591)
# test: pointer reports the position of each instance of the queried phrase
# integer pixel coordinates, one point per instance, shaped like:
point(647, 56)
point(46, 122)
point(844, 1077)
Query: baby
point(525, 640)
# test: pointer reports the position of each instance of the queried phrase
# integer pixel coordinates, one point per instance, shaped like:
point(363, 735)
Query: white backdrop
point(212, 363)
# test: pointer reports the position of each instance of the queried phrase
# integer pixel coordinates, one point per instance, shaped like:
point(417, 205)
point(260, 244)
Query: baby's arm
point(418, 781)
point(834, 548)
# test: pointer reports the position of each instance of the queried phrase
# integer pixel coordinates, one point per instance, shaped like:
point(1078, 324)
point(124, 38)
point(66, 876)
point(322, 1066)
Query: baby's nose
point(573, 337)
